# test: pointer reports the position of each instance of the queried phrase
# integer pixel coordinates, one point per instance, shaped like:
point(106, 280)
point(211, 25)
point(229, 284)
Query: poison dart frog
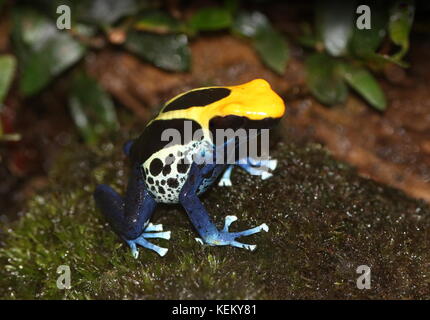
point(168, 171)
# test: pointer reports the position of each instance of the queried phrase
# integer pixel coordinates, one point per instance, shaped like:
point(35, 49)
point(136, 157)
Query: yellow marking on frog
point(254, 100)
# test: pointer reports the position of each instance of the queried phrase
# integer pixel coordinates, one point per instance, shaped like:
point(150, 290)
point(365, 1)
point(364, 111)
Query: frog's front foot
point(225, 238)
point(151, 231)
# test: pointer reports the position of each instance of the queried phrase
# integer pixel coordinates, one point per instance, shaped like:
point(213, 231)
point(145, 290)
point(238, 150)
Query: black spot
point(161, 190)
point(197, 98)
point(151, 141)
point(157, 183)
point(166, 170)
point(150, 180)
point(156, 167)
point(172, 183)
point(163, 182)
point(182, 167)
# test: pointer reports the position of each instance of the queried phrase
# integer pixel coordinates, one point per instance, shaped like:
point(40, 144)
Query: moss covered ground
point(324, 221)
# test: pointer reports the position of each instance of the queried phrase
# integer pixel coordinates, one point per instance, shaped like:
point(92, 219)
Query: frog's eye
point(197, 98)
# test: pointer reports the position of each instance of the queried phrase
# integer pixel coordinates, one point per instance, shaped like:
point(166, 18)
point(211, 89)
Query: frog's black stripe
point(238, 122)
point(235, 123)
point(150, 141)
point(197, 98)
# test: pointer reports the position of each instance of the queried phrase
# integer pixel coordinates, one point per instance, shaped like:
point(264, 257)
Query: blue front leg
point(254, 167)
point(130, 217)
point(200, 219)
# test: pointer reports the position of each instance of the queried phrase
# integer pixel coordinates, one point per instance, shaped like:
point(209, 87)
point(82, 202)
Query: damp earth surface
point(325, 221)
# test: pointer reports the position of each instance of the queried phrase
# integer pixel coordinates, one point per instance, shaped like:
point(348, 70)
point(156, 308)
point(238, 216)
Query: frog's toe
point(228, 221)
point(269, 163)
point(272, 164)
point(224, 237)
point(266, 175)
point(154, 227)
point(157, 235)
point(225, 182)
point(141, 240)
point(237, 244)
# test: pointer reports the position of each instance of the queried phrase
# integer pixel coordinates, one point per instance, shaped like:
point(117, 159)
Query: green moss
point(324, 222)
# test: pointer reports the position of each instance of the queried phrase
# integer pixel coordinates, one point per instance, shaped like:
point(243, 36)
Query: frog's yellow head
point(254, 101)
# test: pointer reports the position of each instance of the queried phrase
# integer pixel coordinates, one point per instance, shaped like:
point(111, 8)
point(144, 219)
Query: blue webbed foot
point(152, 231)
point(225, 238)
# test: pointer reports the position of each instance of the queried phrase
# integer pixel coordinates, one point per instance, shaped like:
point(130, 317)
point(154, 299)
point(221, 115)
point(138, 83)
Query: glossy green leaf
point(7, 71)
point(335, 23)
point(399, 27)
point(91, 108)
point(169, 52)
point(268, 42)
point(383, 59)
point(105, 12)
point(211, 18)
point(273, 49)
point(323, 79)
point(365, 84)
point(308, 38)
point(158, 21)
point(43, 51)
point(365, 42)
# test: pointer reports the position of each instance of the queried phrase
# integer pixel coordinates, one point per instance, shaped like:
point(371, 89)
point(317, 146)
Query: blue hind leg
point(129, 217)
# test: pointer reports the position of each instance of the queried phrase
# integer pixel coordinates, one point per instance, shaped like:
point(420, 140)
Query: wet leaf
point(268, 42)
point(323, 79)
point(308, 38)
point(273, 49)
point(158, 21)
point(105, 12)
point(92, 109)
point(169, 52)
point(365, 42)
point(365, 84)
point(211, 18)
point(43, 51)
point(335, 23)
point(399, 27)
point(7, 67)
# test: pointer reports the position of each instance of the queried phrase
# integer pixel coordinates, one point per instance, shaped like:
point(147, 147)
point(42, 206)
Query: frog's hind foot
point(224, 237)
point(152, 231)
